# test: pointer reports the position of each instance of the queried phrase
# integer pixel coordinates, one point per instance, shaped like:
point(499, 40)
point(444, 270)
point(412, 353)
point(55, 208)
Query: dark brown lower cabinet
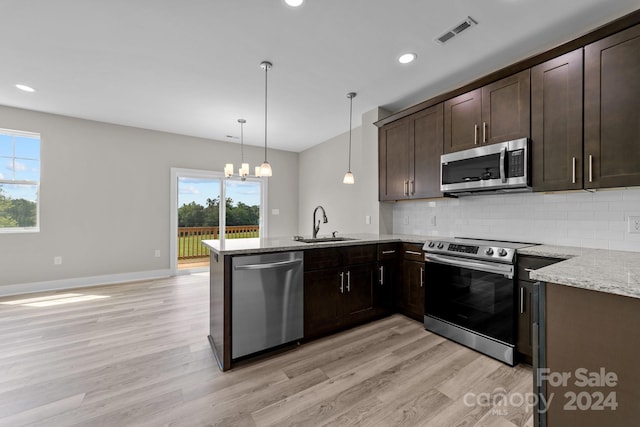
point(340, 296)
point(410, 294)
point(592, 342)
point(524, 305)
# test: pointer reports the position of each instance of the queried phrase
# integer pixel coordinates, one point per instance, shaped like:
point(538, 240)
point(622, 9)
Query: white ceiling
point(192, 66)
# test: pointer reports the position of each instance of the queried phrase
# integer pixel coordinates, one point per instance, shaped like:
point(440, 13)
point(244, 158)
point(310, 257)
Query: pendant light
point(265, 169)
point(243, 170)
point(348, 177)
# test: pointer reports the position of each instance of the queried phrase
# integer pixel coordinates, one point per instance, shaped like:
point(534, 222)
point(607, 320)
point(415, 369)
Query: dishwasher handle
point(267, 265)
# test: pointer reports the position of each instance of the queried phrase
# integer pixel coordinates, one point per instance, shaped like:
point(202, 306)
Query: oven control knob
point(431, 244)
point(440, 245)
point(489, 251)
point(502, 252)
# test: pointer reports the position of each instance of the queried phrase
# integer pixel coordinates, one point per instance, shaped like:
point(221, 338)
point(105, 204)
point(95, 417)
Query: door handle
point(412, 187)
point(573, 172)
point(342, 283)
point(381, 275)
point(475, 134)
point(348, 281)
point(406, 187)
point(590, 168)
point(484, 132)
point(421, 277)
point(521, 300)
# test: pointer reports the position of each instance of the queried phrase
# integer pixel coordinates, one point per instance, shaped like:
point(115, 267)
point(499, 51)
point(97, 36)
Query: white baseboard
point(81, 282)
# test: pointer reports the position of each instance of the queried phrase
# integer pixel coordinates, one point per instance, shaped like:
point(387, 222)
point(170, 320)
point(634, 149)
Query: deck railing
point(190, 238)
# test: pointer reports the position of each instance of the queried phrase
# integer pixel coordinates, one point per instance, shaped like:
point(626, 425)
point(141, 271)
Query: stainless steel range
point(470, 293)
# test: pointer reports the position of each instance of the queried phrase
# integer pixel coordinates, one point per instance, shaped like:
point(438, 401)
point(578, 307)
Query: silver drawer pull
point(388, 252)
point(412, 253)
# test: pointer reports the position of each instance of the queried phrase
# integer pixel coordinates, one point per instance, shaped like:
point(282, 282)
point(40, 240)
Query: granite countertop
point(284, 243)
point(613, 272)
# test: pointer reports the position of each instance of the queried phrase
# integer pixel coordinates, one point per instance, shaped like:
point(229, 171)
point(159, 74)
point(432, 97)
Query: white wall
point(322, 168)
point(581, 219)
point(105, 196)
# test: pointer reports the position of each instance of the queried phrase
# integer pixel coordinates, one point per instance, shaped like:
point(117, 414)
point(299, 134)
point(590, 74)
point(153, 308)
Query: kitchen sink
point(325, 239)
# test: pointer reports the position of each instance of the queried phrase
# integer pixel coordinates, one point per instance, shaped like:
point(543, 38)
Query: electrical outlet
point(275, 211)
point(157, 253)
point(406, 220)
point(367, 219)
point(57, 260)
point(634, 224)
point(432, 220)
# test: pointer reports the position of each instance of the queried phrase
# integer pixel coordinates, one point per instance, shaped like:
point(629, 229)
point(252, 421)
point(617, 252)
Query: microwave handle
point(503, 155)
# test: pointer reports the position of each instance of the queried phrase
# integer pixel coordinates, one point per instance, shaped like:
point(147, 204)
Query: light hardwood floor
point(140, 356)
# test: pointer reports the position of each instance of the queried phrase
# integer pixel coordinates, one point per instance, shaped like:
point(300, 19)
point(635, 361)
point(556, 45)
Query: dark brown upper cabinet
point(612, 111)
point(409, 156)
point(556, 123)
point(497, 112)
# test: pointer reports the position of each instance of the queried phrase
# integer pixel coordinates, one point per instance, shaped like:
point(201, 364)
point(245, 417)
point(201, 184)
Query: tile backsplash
point(583, 219)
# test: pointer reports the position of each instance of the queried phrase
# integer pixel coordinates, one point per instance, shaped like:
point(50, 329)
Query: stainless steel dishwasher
point(266, 301)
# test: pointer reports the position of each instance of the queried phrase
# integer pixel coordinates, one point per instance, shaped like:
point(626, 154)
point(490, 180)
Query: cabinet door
point(462, 120)
point(506, 109)
point(556, 123)
point(425, 142)
point(611, 111)
point(524, 344)
point(383, 288)
point(356, 301)
point(321, 293)
point(393, 166)
point(412, 294)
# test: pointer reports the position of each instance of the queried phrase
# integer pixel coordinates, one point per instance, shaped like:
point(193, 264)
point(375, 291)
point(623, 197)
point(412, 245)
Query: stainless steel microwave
point(502, 167)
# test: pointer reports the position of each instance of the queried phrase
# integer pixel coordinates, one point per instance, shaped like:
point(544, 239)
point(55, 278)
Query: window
point(19, 180)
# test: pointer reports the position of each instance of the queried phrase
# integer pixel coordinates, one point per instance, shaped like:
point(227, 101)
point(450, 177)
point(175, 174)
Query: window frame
point(25, 134)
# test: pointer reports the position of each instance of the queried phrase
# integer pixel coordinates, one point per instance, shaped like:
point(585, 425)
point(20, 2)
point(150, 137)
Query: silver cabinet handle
point(381, 281)
point(406, 187)
point(412, 253)
point(348, 281)
point(529, 269)
point(521, 300)
point(388, 252)
point(412, 187)
point(590, 168)
point(573, 173)
point(421, 277)
point(484, 132)
point(475, 134)
point(342, 282)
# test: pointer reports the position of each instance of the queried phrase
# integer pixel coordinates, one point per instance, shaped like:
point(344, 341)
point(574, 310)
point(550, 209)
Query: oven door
point(471, 297)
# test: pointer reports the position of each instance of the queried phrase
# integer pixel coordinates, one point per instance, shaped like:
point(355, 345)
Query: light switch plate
point(275, 211)
point(634, 224)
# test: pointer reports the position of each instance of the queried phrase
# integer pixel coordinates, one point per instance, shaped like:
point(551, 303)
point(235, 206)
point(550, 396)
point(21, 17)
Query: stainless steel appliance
point(266, 301)
point(470, 293)
point(502, 167)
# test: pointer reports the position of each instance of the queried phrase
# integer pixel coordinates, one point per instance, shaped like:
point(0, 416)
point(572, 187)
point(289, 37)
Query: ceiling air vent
point(449, 34)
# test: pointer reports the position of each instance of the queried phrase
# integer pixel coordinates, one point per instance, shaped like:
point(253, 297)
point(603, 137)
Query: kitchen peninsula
point(343, 282)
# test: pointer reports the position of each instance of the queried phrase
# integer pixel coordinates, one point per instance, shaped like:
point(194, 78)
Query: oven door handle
point(504, 269)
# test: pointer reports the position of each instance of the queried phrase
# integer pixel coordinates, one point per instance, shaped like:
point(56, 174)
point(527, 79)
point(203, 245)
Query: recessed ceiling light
point(25, 88)
point(294, 3)
point(406, 58)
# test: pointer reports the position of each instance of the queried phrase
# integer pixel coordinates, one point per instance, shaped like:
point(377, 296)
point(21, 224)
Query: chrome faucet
point(324, 219)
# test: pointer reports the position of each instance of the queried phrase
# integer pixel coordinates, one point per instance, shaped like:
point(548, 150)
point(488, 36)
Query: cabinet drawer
point(412, 252)
point(388, 251)
point(319, 259)
point(532, 263)
point(359, 254)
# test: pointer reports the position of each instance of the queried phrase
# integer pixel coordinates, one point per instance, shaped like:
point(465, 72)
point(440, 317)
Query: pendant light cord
point(241, 143)
point(266, 70)
point(350, 125)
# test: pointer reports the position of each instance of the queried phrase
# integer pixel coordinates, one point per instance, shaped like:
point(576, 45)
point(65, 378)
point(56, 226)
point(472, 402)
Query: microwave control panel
point(515, 163)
